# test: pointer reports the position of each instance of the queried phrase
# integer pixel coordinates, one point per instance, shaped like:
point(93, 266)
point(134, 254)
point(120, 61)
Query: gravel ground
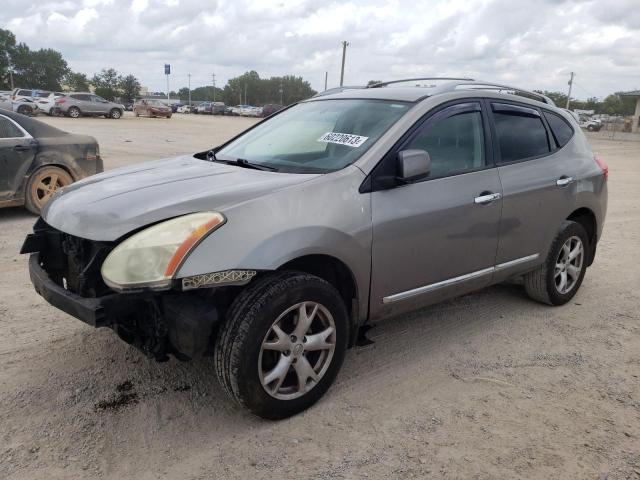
point(490, 385)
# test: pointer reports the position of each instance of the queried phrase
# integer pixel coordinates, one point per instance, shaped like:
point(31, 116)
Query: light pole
point(569, 94)
point(213, 81)
point(345, 44)
point(326, 77)
point(189, 75)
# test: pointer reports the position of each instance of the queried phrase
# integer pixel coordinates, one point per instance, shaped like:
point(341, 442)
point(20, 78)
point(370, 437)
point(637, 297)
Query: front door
point(438, 237)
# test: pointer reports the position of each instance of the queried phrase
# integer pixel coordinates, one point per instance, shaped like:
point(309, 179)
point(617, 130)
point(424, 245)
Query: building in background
point(635, 127)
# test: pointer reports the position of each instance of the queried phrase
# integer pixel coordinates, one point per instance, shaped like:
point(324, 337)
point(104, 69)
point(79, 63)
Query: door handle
point(564, 181)
point(21, 148)
point(486, 198)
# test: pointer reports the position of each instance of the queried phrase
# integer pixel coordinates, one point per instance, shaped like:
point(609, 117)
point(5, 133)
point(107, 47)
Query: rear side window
point(521, 133)
point(81, 97)
point(562, 131)
point(8, 129)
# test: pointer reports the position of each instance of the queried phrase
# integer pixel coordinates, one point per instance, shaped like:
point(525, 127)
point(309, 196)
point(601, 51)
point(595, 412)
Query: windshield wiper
point(243, 162)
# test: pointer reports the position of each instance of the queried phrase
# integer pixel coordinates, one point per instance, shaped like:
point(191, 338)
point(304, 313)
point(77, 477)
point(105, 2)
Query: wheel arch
point(587, 218)
point(338, 274)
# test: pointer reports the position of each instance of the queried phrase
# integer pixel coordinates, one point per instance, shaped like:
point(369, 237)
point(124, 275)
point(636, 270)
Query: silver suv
point(271, 251)
point(80, 104)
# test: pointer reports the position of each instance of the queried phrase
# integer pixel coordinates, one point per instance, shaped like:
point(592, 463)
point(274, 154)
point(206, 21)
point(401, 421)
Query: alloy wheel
point(297, 350)
point(569, 264)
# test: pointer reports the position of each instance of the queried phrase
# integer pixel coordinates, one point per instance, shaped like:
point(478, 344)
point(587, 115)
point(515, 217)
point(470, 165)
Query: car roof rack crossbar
point(482, 85)
point(404, 80)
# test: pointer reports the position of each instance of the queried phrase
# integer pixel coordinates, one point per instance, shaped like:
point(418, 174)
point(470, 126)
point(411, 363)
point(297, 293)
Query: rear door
point(437, 237)
point(17, 150)
point(538, 184)
point(83, 102)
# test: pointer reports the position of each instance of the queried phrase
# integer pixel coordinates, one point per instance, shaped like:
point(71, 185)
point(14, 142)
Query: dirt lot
point(490, 385)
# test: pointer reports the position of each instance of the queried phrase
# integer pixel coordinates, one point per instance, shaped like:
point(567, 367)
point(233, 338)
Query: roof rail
point(482, 85)
point(383, 84)
point(453, 83)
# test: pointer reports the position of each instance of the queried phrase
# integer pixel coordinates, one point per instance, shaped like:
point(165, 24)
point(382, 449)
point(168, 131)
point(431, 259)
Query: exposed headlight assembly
point(150, 258)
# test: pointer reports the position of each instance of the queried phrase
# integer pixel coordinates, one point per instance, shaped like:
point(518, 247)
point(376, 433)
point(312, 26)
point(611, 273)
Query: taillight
point(604, 167)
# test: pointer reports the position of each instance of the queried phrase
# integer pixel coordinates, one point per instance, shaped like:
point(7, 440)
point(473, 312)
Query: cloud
point(531, 43)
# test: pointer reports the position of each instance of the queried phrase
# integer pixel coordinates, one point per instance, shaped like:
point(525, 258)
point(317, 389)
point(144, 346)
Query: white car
point(46, 102)
point(184, 109)
point(25, 106)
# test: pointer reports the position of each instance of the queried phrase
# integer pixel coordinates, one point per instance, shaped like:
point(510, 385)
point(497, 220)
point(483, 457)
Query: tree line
point(250, 89)
point(614, 104)
point(46, 69)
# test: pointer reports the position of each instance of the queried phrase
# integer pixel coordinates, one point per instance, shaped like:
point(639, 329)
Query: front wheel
point(283, 343)
point(557, 280)
point(115, 113)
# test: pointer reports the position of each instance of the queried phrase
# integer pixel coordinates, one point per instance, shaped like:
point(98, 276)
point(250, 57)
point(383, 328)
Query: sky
point(527, 43)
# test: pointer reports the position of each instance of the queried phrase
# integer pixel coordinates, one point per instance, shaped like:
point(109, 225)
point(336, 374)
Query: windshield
point(316, 137)
point(156, 103)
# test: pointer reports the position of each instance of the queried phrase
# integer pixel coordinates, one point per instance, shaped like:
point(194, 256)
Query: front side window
point(316, 137)
point(521, 133)
point(455, 144)
point(8, 129)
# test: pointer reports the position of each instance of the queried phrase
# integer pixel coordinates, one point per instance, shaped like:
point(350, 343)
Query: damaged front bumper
point(64, 270)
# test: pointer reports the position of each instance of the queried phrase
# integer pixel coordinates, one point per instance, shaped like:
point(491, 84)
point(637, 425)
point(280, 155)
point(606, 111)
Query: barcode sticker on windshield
point(343, 139)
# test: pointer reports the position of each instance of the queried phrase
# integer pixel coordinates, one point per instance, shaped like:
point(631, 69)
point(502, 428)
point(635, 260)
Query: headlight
point(150, 258)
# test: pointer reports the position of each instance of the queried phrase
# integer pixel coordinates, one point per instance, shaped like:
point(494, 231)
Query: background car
point(270, 109)
point(151, 108)
point(38, 159)
point(24, 106)
point(185, 109)
point(46, 102)
point(79, 104)
point(204, 107)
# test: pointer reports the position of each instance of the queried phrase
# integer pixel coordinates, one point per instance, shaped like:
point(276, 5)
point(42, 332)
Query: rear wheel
point(25, 110)
point(559, 278)
point(282, 344)
point(73, 112)
point(42, 185)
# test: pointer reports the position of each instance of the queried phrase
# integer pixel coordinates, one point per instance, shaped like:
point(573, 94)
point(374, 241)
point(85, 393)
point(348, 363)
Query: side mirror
point(413, 165)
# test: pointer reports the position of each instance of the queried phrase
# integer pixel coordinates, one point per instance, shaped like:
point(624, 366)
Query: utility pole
point(345, 44)
point(189, 75)
point(326, 77)
point(281, 92)
point(569, 94)
point(245, 94)
point(213, 80)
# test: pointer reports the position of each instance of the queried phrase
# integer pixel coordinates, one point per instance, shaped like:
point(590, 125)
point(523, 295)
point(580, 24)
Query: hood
point(109, 205)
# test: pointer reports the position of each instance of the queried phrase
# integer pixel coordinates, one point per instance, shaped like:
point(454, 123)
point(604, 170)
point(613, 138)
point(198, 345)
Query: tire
point(39, 188)
point(74, 112)
point(590, 128)
point(115, 113)
point(25, 110)
point(545, 284)
point(242, 364)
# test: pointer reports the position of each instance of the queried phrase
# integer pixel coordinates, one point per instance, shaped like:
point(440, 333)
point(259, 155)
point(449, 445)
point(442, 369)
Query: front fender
point(324, 217)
